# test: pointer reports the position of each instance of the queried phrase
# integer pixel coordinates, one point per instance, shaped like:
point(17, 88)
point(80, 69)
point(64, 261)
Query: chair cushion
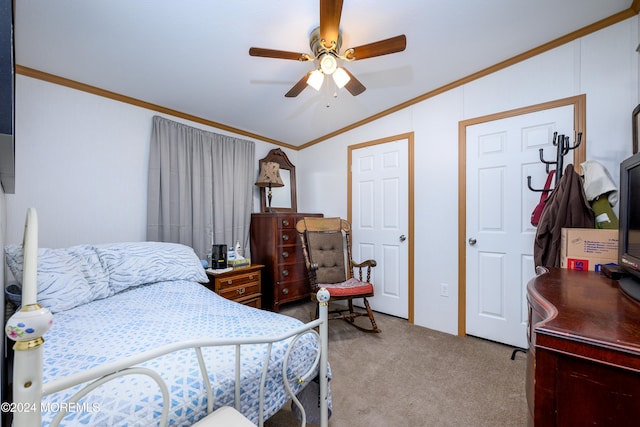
point(327, 249)
point(351, 287)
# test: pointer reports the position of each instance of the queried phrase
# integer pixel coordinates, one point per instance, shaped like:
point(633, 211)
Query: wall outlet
point(444, 290)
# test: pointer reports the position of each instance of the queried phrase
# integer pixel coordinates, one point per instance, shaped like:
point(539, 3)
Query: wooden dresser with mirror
point(275, 242)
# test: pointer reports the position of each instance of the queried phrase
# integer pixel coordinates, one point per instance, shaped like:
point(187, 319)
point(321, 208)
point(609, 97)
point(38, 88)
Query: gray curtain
point(200, 187)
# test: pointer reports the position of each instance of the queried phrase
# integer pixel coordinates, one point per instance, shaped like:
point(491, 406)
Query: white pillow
point(139, 263)
point(66, 277)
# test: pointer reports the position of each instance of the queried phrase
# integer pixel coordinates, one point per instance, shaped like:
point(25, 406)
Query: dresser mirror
point(283, 198)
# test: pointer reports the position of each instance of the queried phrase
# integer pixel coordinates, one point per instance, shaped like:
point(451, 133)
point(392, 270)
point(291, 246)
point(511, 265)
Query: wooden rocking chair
point(326, 243)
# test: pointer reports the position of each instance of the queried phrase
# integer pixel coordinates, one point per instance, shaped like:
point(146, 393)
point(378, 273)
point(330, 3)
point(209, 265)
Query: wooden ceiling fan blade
point(279, 54)
point(379, 48)
point(354, 86)
point(330, 11)
point(298, 87)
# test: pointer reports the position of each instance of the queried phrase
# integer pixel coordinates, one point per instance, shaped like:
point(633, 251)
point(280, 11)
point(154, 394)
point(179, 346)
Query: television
point(629, 233)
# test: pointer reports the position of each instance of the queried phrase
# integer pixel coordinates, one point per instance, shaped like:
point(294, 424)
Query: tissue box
point(588, 248)
point(238, 262)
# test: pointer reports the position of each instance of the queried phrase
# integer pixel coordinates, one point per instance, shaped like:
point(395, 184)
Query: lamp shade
point(328, 63)
point(341, 77)
point(269, 175)
point(315, 79)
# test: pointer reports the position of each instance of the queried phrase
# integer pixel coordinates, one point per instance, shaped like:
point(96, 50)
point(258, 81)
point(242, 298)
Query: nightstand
point(241, 284)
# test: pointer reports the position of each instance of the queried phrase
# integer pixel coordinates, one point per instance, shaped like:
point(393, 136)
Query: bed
point(131, 338)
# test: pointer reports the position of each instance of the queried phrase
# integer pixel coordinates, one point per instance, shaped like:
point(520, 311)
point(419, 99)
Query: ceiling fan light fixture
point(328, 63)
point(315, 79)
point(325, 42)
point(341, 78)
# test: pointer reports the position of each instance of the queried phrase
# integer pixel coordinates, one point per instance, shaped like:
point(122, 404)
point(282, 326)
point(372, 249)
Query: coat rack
point(562, 149)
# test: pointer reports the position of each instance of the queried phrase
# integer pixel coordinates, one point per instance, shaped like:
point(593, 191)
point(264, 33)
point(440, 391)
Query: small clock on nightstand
point(240, 284)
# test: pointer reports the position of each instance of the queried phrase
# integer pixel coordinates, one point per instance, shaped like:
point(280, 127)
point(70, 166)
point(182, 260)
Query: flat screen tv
point(629, 237)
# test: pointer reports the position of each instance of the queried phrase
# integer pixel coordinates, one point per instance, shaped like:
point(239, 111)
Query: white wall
point(604, 66)
point(81, 160)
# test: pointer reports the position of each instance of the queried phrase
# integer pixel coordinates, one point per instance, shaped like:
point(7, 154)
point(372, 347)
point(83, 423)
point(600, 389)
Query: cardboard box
point(588, 248)
point(584, 264)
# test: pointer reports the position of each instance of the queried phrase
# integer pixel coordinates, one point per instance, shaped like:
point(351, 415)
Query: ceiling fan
point(325, 42)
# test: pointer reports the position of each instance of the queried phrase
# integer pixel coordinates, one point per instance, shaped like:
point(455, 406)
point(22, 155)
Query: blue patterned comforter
point(149, 316)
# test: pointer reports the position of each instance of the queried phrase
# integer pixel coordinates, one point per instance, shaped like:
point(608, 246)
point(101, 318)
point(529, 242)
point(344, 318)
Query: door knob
point(403, 238)
point(472, 241)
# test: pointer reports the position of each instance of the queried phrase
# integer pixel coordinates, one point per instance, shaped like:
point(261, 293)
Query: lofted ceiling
point(191, 56)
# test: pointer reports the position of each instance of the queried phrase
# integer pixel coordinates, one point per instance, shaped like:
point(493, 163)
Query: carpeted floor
point(410, 376)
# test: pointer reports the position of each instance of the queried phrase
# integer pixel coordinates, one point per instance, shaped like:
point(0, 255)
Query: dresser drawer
point(240, 292)
point(293, 290)
point(288, 254)
point(291, 272)
point(288, 236)
point(288, 221)
point(244, 279)
point(255, 301)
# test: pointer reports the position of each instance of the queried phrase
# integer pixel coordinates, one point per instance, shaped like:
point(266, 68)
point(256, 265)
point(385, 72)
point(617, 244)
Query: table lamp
point(269, 177)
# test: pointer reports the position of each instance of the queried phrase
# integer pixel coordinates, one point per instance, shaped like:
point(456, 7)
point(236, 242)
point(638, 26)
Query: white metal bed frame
point(32, 321)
